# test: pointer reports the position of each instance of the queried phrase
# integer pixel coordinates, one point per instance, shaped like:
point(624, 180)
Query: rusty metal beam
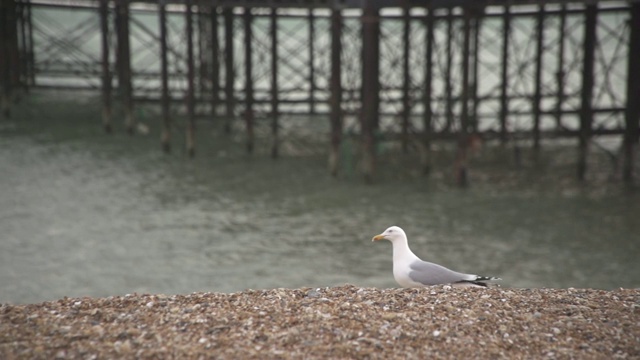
point(406, 80)
point(9, 64)
point(248, 75)
point(560, 76)
point(343, 4)
point(229, 70)
point(215, 62)
point(312, 52)
point(30, 49)
point(335, 115)
point(463, 144)
point(14, 49)
point(124, 62)
point(165, 100)
point(23, 56)
point(191, 121)
point(632, 113)
point(586, 93)
point(428, 79)
point(477, 22)
point(504, 75)
point(5, 87)
point(202, 30)
point(106, 67)
point(274, 84)
point(449, 66)
point(370, 87)
point(537, 96)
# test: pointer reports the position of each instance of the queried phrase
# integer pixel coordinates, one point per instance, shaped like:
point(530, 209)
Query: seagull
point(409, 271)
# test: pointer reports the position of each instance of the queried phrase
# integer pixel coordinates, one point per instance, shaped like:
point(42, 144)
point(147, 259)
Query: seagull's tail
point(486, 278)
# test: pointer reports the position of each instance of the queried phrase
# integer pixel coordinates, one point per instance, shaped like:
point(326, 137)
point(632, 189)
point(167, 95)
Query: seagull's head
point(392, 234)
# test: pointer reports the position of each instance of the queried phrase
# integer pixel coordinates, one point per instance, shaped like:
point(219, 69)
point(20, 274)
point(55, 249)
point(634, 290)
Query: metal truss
point(508, 70)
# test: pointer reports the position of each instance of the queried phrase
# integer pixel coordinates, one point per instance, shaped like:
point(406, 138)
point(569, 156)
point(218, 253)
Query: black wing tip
point(479, 281)
point(471, 283)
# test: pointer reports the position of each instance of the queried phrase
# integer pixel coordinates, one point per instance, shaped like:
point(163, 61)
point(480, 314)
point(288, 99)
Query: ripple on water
point(85, 214)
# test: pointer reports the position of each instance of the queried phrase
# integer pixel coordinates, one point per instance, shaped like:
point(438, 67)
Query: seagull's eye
point(391, 230)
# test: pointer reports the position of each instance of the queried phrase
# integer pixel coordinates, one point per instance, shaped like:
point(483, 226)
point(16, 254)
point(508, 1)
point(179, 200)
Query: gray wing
point(433, 274)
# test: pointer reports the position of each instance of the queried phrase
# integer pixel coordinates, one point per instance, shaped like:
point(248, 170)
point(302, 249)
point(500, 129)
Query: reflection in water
point(82, 213)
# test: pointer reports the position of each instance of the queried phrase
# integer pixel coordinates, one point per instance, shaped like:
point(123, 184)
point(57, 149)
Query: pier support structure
point(123, 62)
point(335, 100)
point(215, 63)
point(462, 158)
point(274, 84)
point(537, 96)
point(370, 87)
point(165, 100)
point(106, 66)
point(9, 56)
point(498, 89)
point(504, 75)
point(229, 78)
point(406, 79)
point(427, 115)
point(191, 86)
point(586, 92)
point(632, 111)
point(248, 76)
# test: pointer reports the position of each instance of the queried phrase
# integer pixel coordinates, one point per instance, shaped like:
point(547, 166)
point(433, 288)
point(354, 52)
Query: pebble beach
point(342, 322)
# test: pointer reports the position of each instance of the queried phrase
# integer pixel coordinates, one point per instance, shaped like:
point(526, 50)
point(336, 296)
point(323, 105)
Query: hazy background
point(84, 213)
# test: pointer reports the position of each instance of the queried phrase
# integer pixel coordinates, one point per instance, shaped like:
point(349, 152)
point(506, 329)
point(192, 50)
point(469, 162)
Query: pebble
point(338, 322)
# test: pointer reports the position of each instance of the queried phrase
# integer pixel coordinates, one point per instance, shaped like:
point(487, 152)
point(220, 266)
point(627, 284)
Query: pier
point(409, 72)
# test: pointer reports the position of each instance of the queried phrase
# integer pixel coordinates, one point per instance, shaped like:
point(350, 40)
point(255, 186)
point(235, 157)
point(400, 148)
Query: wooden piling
point(229, 77)
point(106, 66)
point(191, 121)
point(504, 75)
point(248, 70)
point(274, 83)
point(370, 87)
point(406, 80)
point(632, 113)
point(165, 101)
point(428, 79)
point(586, 92)
point(537, 96)
point(336, 91)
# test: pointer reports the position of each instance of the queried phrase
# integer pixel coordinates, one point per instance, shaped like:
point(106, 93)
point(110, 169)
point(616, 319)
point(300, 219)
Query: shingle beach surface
point(337, 323)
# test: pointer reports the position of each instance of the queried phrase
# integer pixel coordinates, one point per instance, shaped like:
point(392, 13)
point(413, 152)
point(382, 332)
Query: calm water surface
point(83, 213)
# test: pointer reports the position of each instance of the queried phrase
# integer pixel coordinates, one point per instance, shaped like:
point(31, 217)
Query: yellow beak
point(378, 237)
